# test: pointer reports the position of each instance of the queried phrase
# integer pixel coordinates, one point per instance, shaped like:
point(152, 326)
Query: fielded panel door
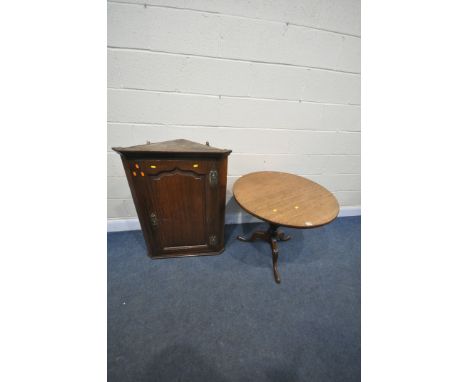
point(178, 210)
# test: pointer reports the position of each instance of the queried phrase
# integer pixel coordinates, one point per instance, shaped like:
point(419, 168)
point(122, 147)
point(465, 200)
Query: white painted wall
point(277, 82)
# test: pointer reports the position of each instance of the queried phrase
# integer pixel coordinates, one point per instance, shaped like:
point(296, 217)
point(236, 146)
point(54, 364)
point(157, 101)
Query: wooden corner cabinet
point(179, 191)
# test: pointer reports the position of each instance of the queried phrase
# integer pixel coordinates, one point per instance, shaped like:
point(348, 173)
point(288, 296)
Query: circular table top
point(285, 199)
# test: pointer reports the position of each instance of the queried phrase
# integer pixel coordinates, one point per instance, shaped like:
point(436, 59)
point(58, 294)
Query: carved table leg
point(275, 253)
point(283, 237)
point(256, 235)
point(272, 235)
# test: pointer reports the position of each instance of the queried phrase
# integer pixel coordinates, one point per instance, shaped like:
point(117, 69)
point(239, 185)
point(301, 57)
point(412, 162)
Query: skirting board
point(132, 224)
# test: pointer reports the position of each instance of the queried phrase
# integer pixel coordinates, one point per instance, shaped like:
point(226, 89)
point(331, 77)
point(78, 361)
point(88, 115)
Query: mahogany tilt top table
point(283, 199)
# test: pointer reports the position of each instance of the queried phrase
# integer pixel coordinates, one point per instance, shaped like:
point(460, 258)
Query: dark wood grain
point(179, 206)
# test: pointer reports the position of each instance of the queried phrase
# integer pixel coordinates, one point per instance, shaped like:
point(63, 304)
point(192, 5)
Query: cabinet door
point(180, 200)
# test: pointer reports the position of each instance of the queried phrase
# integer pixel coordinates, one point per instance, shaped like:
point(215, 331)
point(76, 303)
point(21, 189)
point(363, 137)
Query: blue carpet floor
point(223, 318)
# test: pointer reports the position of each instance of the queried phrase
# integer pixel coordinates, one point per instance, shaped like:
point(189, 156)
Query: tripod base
point(272, 236)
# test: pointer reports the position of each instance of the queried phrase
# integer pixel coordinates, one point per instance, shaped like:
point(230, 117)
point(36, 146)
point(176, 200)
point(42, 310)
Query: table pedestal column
point(272, 236)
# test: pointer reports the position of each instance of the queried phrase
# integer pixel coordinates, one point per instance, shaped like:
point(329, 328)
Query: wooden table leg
point(283, 237)
point(256, 235)
point(274, 254)
point(272, 236)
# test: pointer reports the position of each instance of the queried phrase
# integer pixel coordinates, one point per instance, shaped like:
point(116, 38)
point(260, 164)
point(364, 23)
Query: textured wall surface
point(277, 82)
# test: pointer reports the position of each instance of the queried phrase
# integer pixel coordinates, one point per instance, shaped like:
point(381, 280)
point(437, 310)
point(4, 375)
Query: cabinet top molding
point(174, 146)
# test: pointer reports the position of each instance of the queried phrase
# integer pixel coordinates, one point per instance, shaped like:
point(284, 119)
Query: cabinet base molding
point(187, 254)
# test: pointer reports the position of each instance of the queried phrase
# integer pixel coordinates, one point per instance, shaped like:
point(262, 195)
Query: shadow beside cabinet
point(179, 191)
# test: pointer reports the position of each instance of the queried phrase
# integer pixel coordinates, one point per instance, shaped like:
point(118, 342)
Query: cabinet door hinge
point(213, 178)
point(213, 240)
point(153, 219)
